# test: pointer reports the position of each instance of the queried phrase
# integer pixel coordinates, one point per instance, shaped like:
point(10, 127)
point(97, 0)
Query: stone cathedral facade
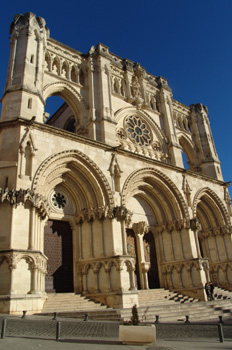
point(96, 199)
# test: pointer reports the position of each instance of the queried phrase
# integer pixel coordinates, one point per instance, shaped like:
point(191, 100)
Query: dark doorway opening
point(150, 256)
point(59, 251)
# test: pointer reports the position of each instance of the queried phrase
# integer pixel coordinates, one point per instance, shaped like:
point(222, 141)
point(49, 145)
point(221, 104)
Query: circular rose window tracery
point(58, 200)
point(138, 131)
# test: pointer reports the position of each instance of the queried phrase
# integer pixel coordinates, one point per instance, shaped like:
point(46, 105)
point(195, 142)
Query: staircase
point(77, 306)
point(173, 307)
point(162, 296)
point(220, 293)
point(169, 306)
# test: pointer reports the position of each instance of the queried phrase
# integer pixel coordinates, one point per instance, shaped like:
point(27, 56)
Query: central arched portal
point(58, 248)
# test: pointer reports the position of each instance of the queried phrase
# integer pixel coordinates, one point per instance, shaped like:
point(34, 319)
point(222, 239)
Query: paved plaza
point(36, 332)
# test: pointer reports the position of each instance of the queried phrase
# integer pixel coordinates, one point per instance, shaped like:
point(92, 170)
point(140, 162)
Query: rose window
point(58, 200)
point(138, 131)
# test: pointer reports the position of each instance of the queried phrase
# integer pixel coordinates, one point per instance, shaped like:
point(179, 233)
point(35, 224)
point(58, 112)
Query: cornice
point(180, 107)
point(54, 42)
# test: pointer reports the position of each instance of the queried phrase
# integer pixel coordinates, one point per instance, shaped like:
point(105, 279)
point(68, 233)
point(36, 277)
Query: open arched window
point(188, 153)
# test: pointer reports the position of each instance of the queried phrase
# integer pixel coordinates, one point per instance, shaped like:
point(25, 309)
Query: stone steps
point(77, 306)
point(171, 306)
point(173, 315)
point(220, 293)
point(63, 302)
point(151, 297)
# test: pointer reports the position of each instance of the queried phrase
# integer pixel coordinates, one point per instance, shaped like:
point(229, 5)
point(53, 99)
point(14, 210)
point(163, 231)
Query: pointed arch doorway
point(58, 248)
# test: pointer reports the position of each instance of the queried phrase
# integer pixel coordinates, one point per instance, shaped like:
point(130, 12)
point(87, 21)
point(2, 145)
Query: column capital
point(140, 228)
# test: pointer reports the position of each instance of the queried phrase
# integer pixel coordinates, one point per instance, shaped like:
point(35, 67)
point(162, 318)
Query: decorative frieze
point(169, 226)
point(216, 231)
point(119, 212)
point(16, 197)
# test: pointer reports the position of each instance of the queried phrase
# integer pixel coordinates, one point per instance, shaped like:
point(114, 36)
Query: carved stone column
point(205, 265)
point(124, 250)
point(145, 268)
point(179, 268)
point(131, 270)
point(139, 229)
point(96, 290)
point(32, 227)
point(12, 267)
point(108, 271)
point(190, 284)
point(164, 273)
point(34, 280)
point(80, 245)
point(123, 215)
point(196, 227)
point(169, 279)
point(84, 279)
point(92, 238)
point(103, 237)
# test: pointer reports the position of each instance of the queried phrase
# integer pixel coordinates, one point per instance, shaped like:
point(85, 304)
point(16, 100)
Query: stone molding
point(107, 264)
point(214, 267)
point(199, 264)
point(36, 260)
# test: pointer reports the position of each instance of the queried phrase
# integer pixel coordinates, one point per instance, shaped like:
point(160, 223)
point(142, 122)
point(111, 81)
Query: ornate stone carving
point(121, 134)
point(195, 224)
point(22, 196)
point(140, 227)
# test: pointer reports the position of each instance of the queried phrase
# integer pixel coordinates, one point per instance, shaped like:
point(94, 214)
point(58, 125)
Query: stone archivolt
point(143, 178)
point(69, 158)
point(217, 203)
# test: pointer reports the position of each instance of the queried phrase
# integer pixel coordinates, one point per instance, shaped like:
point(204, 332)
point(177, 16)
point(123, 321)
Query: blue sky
point(189, 42)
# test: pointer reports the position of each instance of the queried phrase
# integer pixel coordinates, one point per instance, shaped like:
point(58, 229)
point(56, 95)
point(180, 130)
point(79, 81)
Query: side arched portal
point(214, 234)
point(160, 224)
